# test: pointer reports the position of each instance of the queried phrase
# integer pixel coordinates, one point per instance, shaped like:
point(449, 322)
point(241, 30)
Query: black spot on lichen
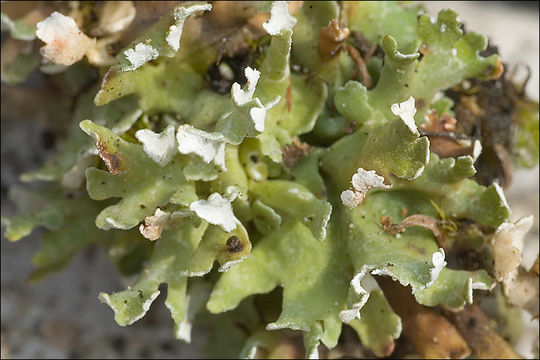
point(234, 245)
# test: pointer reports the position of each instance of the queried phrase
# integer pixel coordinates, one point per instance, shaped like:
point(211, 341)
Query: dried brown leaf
point(443, 139)
point(475, 328)
point(434, 336)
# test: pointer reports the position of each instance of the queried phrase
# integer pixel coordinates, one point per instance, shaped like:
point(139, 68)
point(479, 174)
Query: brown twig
point(361, 67)
point(414, 220)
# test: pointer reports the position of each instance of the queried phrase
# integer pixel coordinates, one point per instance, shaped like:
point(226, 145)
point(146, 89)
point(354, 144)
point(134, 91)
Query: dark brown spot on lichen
point(107, 77)
point(234, 244)
point(111, 160)
point(288, 97)
point(294, 152)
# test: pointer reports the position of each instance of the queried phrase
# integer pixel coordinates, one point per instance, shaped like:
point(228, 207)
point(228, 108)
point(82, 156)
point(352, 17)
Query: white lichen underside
point(217, 211)
point(243, 96)
point(437, 259)
point(406, 112)
point(258, 113)
point(139, 56)
point(362, 181)
point(280, 19)
point(159, 147)
point(181, 13)
point(363, 283)
point(209, 146)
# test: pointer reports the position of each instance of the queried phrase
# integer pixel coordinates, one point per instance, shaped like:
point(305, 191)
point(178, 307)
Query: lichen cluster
point(316, 147)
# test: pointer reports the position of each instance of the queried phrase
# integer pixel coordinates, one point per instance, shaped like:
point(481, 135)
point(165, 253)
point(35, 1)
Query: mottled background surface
point(61, 317)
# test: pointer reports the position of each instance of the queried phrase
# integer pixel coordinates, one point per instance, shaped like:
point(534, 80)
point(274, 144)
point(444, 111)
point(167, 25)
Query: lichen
point(327, 160)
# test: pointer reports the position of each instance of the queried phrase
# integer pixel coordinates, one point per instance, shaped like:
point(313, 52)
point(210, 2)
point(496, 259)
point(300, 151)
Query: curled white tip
point(406, 111)
point(280, 19)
